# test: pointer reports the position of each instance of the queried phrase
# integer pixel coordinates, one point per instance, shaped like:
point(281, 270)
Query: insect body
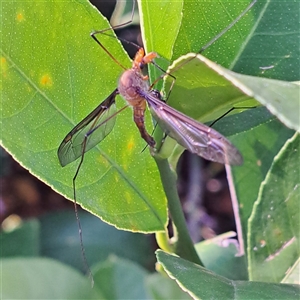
point(133, 86)
point(129, 83)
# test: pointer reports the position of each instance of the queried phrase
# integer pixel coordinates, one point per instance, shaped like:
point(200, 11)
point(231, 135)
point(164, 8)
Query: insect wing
point(89, 132)
point(192, 135)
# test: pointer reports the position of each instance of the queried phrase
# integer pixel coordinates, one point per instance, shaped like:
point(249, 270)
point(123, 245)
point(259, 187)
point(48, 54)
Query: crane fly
point(133, 86)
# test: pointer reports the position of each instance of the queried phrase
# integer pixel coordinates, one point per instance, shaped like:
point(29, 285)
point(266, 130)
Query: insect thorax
point(129, 81)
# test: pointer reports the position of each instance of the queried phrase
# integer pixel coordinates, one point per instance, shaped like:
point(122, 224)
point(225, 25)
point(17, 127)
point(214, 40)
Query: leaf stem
point(184, 246)
point(163, 241)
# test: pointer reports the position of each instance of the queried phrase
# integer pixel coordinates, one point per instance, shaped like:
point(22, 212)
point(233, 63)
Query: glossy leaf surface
point(203, 284)
point(54, 75)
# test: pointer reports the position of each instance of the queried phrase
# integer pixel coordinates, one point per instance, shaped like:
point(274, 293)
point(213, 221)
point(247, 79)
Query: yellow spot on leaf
point(3, 63)
point(28, 87)
point(116, 177)
point(46, 80)
point(4, 66)
point(20, 17)
point(125, 166)
point(128, 197)
point(130, 144)
point(103, 161)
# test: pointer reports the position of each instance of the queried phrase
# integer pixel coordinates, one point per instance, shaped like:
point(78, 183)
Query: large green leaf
point(162, 287)
point(53, 75)
point(157, 19)
point(120, 279)
point(41, 278)
point(273, 239)
point(220, 89)
point(203, 284)
point(212, 90)
point(264, 42)
point(280, 97)
point(261, 139)
point(221, 255)
point(259, 144)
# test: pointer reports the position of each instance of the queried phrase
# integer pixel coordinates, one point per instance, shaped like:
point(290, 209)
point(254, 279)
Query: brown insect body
point(192, 135)
point(132, 80)
point(133, 86)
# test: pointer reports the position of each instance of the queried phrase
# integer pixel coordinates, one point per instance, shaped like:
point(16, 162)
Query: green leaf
point(209, 95)
point(213, 90)
point(41, 278)
point(264, 42)
point(157, 19)
point(198, 79)
point(206, 85)
point(272, 48)
point(201, 283)
point(220, 255)
point(259, 144)
point(280, 97)
point(120, 279)
point(53, 75)
point(202, 21)
point(273, 244)
point(161, 287)
point(293, 274)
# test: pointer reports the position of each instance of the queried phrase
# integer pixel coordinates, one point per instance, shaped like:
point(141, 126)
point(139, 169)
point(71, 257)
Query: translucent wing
point(89, 132)
point(192, 135)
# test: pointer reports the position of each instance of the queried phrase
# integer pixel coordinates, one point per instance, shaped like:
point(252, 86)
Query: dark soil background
point(202, 185)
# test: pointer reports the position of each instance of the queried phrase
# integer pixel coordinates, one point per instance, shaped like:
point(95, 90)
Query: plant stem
point(184, 246)
point(163, 241)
